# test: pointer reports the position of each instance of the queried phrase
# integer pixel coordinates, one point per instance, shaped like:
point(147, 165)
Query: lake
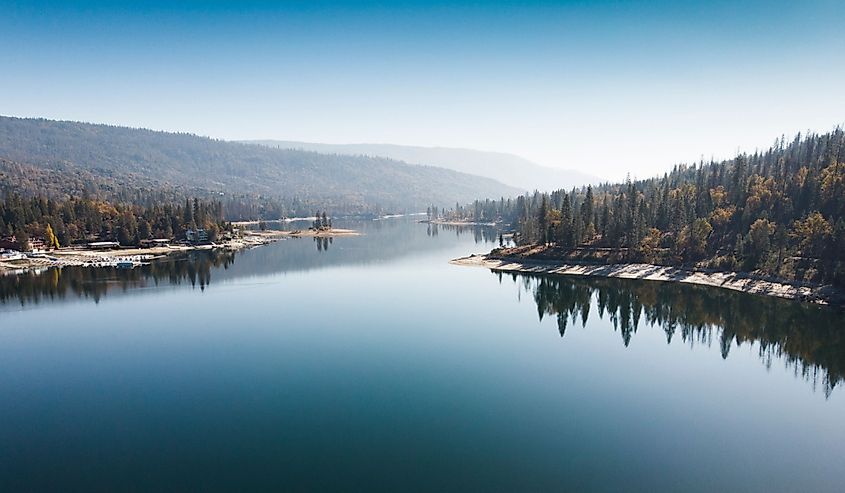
point(370, 363)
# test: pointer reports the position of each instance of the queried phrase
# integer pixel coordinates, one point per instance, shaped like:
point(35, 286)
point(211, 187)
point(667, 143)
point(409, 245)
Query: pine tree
point(543, 220)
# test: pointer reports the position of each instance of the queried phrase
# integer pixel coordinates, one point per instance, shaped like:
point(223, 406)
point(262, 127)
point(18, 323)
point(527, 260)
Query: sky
point(609, 88)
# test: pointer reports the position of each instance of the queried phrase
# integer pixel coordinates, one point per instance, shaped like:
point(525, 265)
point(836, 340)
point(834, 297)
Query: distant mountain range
point(506, 168)
point(47, 157)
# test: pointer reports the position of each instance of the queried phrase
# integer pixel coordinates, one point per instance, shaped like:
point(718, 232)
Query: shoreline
point(735, 281)
point(70, 256)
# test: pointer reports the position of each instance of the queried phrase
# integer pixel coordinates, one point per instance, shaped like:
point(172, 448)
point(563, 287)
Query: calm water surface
point(370, 363)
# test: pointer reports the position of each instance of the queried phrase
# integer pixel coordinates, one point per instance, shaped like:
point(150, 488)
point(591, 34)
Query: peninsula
point(772, 222)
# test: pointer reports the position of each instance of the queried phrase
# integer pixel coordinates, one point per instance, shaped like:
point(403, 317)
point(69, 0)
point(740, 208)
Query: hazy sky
point(607, 87)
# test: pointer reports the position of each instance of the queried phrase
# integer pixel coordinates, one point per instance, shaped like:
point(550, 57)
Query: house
point(9, 242)
point(196, 236)
point(155, 242)
point(36, 245)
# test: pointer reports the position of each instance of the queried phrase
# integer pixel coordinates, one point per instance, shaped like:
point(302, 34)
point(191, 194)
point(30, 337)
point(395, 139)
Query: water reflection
point(381, 241)
point(807, 338)
point(94, 283)
point(480, 234)
point(323, 243)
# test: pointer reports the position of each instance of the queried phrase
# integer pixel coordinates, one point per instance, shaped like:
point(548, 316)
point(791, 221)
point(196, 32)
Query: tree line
point(66, 222)
point(780, 211)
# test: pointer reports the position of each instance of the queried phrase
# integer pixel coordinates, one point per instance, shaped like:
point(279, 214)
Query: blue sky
point(607, 87)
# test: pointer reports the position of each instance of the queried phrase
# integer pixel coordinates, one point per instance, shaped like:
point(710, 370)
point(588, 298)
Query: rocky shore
point(737, 281)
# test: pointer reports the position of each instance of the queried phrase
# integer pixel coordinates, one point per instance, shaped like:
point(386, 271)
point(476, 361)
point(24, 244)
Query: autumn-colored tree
point(649, 246)
point(50, 237)
point(759, 235)
point(692, 240)
point(813, 234)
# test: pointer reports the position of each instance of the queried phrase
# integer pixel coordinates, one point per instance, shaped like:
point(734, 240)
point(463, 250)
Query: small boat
point(125, 264)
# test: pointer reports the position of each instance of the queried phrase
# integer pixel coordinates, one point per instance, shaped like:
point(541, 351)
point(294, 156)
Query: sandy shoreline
point(825, 295)
point(103, 258)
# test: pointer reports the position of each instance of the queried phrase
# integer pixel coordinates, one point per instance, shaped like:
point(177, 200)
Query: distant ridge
point(506, 168)
point(39, 156)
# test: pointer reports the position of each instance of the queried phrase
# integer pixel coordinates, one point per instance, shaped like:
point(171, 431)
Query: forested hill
point(506, 168)
point(61, 158)
point(779, 212)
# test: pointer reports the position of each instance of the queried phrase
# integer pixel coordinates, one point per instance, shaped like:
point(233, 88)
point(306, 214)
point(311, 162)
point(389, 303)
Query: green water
point(370, 363)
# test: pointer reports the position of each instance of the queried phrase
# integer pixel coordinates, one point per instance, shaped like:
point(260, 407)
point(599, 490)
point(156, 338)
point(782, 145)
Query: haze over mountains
point(507, 168)
point(62, 158)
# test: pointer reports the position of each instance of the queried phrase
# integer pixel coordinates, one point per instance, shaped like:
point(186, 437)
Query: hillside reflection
point(809, 339)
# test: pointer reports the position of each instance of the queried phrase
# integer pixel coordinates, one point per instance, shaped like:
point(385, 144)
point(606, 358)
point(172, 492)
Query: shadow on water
point(809, 339)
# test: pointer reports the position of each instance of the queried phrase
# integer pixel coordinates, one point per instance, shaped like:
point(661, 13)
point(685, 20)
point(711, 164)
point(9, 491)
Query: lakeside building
point(199, 235)
point(9, 243)
point(36, 245)
point(103, 245)
point(155, 242)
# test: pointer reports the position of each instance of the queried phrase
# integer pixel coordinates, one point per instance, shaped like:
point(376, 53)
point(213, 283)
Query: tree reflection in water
point(96, 282)
point(323, 243)
point(480, 234)
point(808, 338)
